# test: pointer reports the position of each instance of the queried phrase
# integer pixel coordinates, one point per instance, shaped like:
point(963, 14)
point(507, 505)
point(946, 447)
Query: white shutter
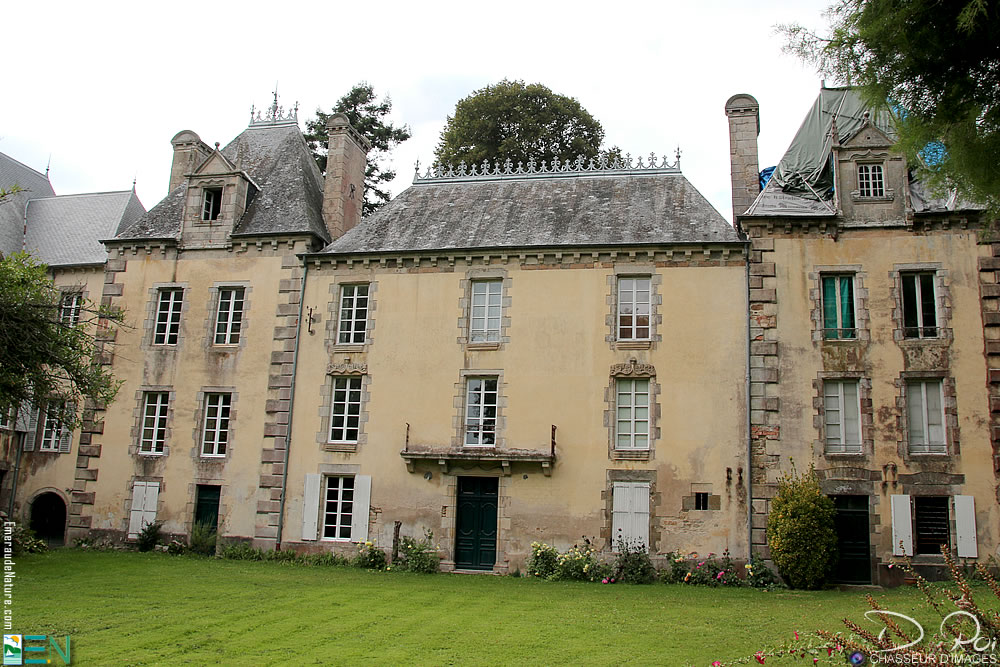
point(620, 510)
point(149, 502)
point(310, 506)
point(965, 526)
point(640, 514)
point(29, 438)
point(135, 515)
point(66, 434)
point(902, 526)
point(362, 503)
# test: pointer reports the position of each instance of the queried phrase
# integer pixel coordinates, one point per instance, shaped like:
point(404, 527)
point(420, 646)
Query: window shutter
point(362, 502)
point(640, 514)
point(23, 417)
point(149, 502)
point(29, 438)
point(66, 434)
point(902, 526)
point(965, 526)
point(620, 506)
point(310, 506)
point(135, 515)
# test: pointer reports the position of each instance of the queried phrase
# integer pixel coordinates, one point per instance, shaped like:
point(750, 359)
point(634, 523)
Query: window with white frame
point(632, 408)
point(481, 412)
point(842, 416)
point(215, 431)
point(487, 299)
point(353, 314)
point(338, 508)
point(154, 422)
point(838, 306)
point(634, 307)
point(211, 205)
point(925, 417)
point(52, 427)
point(345, 413)
point(229, 318)
point(629, 514)
point(871, 182)
point(919, 305)
point(70, 308)
point(168, 316)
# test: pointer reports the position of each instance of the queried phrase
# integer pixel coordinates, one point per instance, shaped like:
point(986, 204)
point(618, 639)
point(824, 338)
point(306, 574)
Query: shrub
point(203, 539)
point(23, 541)
point(369, 557)
point(760, 575)
point(542, 562)
point(176, 548)
point(418, 555)
point(800, 531)
point(325, 559)
point(632, 565)
point(240, 551)
point(149, 536)
point(577, 564)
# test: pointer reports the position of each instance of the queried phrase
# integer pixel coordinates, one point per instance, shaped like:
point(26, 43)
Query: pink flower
point(719, 575)
point(604, 581)
point(760, 657)
point(716, 664)
point(796, 633)
point(613, 581)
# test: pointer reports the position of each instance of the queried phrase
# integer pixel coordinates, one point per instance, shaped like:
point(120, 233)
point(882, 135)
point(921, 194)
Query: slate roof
point(35, 184)
point(574, 209)
point(278, 161)
point(66, 230)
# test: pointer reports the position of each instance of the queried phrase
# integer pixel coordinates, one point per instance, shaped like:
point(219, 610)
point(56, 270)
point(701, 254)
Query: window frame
point(487, 333)
point(632, 420)
point(155, 444)
point(211, 425)
point(838, 332)
point(634, 302)
point(480, 423)
point(52, 427)
point(925, 447)
point(348, 318)
point(346, 415)
point(211, 204)
point(843, 447)
point(871, 180)
point(69, 313)
point(167, 319)
point(228, 317)
point(338, 514)
point(921, 330)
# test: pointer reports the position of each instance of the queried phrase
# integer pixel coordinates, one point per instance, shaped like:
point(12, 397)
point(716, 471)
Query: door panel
point(853, 540)
point(476, 523)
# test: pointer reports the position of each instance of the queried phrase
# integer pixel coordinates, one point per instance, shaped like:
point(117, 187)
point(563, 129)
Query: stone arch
point(48, 513)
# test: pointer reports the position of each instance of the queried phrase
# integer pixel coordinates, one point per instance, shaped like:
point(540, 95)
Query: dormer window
point(212, 204)
point(871, 182)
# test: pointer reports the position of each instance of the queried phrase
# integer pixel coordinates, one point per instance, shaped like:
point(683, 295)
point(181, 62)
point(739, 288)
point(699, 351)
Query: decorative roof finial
point(47, 165)
point(275, 114)
point(677, 154)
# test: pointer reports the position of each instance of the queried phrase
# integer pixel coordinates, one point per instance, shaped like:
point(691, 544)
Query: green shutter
point(847, 306)
point(829, 307)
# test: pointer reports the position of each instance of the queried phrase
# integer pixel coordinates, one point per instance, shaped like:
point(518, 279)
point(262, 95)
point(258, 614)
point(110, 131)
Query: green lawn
point(145, 609)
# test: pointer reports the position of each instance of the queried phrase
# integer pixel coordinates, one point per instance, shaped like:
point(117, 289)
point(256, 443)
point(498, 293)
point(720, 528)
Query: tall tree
point(368, 116)
point(49, 347)
point(937, 65)
point(512, 120)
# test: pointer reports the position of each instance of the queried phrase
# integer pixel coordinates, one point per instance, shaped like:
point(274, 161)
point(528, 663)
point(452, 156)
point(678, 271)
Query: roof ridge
point(618, 166)
point(84, 194)
point(25, 166)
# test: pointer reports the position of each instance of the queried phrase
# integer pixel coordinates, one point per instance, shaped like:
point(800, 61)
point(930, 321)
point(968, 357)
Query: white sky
point(102, 86)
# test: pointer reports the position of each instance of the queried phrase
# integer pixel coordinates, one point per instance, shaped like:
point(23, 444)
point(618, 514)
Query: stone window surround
point(866, 415)
point(862, 315)
point(631, 270)
point(78, 288)
point(607, 495)
point(192, 504)
point(333, 308)
point(198, 433)
point(631, 370)
point(152, 306)
point(135, 435)
point(213, 314)
point(688, 501)
point(871, 158)
point(476, 274)
point(458, 402)
point(196, 200)
point(942, 303)
point(950, 408)
point(346, 369)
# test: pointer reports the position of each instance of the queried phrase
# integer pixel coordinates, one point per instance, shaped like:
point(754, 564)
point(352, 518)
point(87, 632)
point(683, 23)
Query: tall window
point(211, 205)
point(481, 412)
point(338, 510)
point(229, 319)
point(154, 422)
point(52, 428)
point(634, 308)
point(168, 316)
point(632, 426)
point(919, 305)
point(870, 180)
point(838, 307)
point(70, 307)
point(353, 314)
point(215, 434)
point(925, 417)
point(486, 307)
point(842, 417)
point(931, 524)
point(345, 414)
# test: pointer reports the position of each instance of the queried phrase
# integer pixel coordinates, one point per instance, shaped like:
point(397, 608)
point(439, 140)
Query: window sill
point(151, 453)
point(633, 344)
point(213, 458)
point(349, 347)
point(845, 455)
point(631, 455)
point(349, 447)
point(919, 455)
point(483, 346)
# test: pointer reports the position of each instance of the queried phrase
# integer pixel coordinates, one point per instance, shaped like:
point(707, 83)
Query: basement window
point(701, 500)
point(211, 204)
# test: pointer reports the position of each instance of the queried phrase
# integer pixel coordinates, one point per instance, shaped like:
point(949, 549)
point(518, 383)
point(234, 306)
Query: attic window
point(870, 180)
point(212, 204)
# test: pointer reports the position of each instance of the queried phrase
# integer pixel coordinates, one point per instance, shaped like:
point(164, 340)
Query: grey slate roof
point(290, 200)
point(66, 230)
point(543, 211)
point(35, 185)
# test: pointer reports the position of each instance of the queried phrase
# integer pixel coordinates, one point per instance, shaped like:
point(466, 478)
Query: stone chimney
point(744, 126)
point(189, 152)
point(344, 190)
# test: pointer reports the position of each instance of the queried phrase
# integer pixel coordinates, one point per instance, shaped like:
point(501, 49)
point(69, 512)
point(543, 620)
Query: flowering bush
point(716, 571)
point(369, 556)
point(418, 555)
point(580, 564)
point(543, 561)
point(632, 565)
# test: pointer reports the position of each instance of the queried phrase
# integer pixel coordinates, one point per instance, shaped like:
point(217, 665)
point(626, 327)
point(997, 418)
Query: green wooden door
point(476, 523)
point(855, 563)
point(206, 509)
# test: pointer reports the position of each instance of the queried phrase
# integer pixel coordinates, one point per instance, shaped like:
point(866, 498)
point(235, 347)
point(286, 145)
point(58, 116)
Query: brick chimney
point(344, 190)
point(189, 152)
point(744, 126)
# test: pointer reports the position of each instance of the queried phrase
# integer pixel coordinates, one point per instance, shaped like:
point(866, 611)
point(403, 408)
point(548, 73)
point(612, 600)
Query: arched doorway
point(48, 519)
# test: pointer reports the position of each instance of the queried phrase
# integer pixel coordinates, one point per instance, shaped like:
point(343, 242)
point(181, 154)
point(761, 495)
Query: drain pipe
point(749, 412)
point(291, 404)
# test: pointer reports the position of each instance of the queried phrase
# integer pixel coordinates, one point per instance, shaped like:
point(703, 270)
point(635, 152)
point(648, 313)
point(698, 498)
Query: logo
point(857, 658)
point(12, 648)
